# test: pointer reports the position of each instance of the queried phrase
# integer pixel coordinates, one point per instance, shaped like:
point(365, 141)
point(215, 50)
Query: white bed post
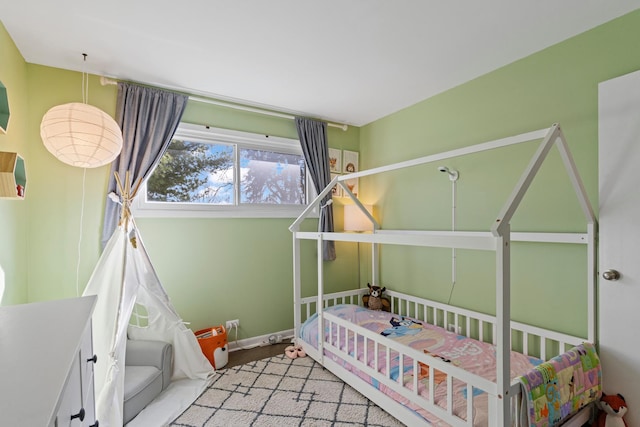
point(503, 317)
point(375, 274)
point(297, 281)
point(592, 273)
point(502, 231)
point(297, 317)
point(320, 303)
point(592, 227)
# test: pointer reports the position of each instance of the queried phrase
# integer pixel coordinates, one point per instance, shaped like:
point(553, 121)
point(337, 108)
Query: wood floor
point(240, 357)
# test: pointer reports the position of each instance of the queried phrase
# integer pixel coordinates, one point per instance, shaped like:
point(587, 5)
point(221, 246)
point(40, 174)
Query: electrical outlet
point(232, 323)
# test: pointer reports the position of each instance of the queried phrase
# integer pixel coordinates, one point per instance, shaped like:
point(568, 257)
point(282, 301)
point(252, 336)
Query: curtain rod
point(104, 81)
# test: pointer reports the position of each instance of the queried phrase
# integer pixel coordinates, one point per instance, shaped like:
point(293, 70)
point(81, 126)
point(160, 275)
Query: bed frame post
point(297, 303)
point(375, 274)
point(592, 273)
point(592, 230)
point(320, 303)
point(503, 317)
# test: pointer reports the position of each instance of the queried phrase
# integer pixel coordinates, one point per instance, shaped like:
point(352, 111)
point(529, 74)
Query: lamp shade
point(81, 135)
point(355, 219)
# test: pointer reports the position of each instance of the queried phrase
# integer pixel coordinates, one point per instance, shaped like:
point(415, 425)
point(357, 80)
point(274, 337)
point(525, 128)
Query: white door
point(619, 249)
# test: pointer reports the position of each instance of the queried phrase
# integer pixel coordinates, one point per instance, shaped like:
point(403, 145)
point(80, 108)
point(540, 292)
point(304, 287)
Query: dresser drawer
point(87, 363)
point(77, 406)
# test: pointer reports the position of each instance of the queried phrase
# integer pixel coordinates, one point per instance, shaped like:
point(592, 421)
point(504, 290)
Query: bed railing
point(342, 333)
point(526, 339)
point(346, 339)
point(309, 304)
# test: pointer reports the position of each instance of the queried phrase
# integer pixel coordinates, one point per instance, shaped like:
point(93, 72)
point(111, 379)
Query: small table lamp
point(356, 220)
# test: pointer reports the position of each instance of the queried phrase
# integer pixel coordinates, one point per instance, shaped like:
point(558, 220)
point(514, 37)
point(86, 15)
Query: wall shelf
point(4, 109)
point(13, 176)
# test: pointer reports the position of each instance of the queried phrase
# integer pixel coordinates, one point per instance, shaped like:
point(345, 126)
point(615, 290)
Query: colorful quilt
point(560, 387)
point(471, 355)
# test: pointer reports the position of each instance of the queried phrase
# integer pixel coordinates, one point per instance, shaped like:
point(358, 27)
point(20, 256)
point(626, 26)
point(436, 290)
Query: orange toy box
point(214, 345)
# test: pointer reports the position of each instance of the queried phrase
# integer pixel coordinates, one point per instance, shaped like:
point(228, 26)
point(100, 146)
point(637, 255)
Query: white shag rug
point(279, 391)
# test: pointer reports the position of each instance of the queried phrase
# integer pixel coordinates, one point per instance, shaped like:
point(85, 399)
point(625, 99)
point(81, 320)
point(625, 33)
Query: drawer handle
point(97, 424)
point(93, 359)
point(79, 415)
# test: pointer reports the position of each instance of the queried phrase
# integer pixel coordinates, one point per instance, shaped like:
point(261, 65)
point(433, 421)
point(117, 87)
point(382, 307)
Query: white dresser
point(46, 364)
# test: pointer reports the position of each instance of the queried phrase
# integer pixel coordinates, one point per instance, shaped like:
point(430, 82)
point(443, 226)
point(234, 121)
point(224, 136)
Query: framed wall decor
point(336, 191)
point(352, 185)
point(350, 165)
point(350, 161)
point(335, 160)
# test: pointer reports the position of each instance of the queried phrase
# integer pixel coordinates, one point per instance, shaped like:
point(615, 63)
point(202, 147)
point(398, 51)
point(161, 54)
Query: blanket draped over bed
point(558, 388)
point(473, 356)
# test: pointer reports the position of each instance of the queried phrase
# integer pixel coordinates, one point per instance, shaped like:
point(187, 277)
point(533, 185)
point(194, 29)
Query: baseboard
point(258, 341)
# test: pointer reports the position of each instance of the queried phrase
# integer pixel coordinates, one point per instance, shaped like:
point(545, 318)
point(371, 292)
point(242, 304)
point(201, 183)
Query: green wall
point(558, 84)
point(13, 213)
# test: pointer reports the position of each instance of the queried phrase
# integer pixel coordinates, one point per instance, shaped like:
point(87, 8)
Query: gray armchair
point(147, 372)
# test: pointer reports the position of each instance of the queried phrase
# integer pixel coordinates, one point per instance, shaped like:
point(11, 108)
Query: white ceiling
point(349, 61)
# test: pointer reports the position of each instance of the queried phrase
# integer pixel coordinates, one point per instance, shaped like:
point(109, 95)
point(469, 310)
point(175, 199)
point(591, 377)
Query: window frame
point(205, 134)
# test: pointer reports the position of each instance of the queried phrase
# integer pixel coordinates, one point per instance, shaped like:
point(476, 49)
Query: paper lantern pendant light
point(81, 135)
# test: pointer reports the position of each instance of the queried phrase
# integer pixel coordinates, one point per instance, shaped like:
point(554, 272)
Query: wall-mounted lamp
point(453, 174)
point(453, 177)
point(356, 220)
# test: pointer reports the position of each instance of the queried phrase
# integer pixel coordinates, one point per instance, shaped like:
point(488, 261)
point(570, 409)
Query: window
point(220, 173)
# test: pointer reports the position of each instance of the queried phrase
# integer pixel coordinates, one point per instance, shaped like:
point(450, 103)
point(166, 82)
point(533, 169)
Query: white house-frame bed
point(339, 348)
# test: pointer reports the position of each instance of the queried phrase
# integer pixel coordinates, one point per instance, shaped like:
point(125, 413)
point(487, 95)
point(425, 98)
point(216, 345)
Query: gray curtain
point(148, 118)
point(313, 139)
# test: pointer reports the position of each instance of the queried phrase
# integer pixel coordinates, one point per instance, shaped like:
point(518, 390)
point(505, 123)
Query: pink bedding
point(469, 354)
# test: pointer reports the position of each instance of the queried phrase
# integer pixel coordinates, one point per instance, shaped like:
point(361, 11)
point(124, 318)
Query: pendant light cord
point(453, 250)
point(85, 81)
point(85, 100)
point(84, 178)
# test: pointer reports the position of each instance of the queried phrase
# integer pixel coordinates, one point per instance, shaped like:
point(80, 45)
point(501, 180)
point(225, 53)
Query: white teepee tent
point(124, 277)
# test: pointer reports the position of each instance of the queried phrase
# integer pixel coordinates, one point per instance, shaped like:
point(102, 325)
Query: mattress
point(471, 355)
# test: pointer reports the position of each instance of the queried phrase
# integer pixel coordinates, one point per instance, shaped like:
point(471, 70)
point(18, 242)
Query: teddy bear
point(612, 409)
point(375, 300)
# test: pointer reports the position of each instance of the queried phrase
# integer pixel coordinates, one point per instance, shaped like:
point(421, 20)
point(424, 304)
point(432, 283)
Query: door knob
point(611, 275)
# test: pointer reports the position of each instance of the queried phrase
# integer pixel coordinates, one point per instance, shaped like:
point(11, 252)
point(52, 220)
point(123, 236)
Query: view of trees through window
point(205, 173)
point(269, 177)
point(192, 172)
